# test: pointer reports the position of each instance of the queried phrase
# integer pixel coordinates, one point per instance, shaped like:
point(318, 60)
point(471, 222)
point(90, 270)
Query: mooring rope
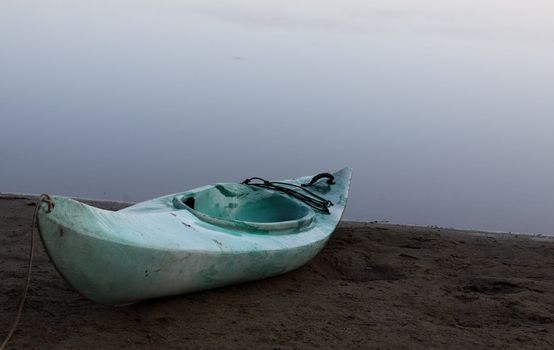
point(44, 198)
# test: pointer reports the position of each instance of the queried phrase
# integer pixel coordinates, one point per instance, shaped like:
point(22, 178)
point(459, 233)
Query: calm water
point(445, 110)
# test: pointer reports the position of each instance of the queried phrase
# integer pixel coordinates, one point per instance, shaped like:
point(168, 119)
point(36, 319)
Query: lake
point(445, 110)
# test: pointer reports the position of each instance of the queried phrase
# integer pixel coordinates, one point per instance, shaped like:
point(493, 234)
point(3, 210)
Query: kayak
point(209, 237)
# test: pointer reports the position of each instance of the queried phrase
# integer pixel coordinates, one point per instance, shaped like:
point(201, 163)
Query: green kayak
point(208, 237)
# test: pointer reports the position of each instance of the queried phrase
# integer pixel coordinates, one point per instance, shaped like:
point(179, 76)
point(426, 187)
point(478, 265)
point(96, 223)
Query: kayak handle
point(330, 181)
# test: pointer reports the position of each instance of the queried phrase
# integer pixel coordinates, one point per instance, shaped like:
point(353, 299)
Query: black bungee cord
point(299, 192)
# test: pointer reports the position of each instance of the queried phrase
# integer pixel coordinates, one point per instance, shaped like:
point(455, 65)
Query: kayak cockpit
point(243, 207)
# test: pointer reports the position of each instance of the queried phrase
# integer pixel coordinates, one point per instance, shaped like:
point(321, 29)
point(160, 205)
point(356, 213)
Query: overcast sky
point(444, 109)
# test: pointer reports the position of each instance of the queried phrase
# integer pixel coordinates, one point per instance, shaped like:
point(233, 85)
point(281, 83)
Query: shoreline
point(343, 223)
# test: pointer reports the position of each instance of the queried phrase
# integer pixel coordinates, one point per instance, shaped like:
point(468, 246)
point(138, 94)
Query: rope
point(44, 198)
point(309, 198)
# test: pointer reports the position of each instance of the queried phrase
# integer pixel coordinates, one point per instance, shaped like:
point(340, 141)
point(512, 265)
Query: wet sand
point(373, 286)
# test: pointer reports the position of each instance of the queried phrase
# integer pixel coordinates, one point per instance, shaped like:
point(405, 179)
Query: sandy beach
point(375, 285)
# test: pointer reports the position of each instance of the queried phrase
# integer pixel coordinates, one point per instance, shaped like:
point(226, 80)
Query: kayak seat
point(246, 208)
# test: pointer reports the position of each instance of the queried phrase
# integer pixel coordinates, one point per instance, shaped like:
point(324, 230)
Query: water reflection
point(443, 109)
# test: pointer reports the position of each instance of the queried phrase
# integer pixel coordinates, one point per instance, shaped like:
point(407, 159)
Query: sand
point(374, 286)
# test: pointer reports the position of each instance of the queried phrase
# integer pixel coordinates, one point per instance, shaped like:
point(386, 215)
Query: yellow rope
point(46, 199)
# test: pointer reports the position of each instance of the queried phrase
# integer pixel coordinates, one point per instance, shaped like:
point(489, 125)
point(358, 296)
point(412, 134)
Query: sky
point(443, 109)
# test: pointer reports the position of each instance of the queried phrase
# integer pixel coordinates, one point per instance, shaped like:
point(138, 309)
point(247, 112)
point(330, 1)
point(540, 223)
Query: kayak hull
point(153, 249)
